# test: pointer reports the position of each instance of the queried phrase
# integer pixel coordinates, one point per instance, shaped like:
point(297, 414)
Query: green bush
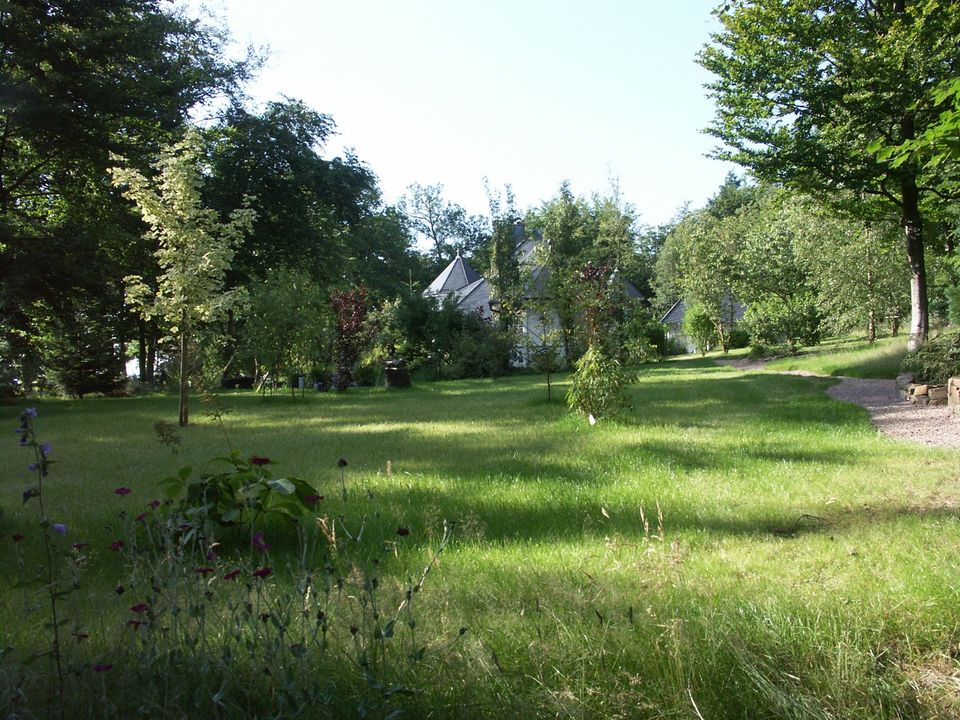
point(936, 361)
point(599, 385)
point(698, 326)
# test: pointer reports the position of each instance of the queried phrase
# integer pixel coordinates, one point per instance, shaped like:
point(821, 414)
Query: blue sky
point(527, 92)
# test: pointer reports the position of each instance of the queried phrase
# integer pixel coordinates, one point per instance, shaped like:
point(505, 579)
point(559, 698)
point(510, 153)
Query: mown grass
point(848, 357)
point(804, 567)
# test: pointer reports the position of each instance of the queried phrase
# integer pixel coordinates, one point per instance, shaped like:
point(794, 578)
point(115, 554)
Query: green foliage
point(699, 326)
point(241, 495)
point(642, 337)
point(936, 361)
point(599, 387)
point(194, 249)
point(771, 322)
point(287, 322)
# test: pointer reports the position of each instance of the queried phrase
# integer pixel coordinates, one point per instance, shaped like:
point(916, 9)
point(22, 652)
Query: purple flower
point(17, 537)
point(259, 543)
point(59, 528)
point(121, 491)
point(30, 412)
point(263, 572)
point(116, 545)
point(259, 461)
point(46, 448)
point(30, 493)
point(140, 608)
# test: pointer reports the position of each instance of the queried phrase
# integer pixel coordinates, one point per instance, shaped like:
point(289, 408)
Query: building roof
point(674, 316)
point(455, 276)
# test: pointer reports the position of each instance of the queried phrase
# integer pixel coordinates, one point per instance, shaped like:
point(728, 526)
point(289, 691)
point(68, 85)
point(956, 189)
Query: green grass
point(805, 567)
point(848, 357)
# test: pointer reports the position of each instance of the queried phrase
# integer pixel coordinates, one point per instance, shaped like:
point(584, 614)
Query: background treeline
point(329, 276)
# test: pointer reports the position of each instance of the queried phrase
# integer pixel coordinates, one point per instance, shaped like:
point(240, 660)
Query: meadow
point(738, 545)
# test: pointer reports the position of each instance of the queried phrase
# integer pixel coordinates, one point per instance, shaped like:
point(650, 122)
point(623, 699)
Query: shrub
point(599, 385)
point(770, 322)
point(699, 327)
point(936, 361)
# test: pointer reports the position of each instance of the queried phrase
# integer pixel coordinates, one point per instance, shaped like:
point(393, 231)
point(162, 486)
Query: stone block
point(937, 393)
point(919, 390)
point(953, 392)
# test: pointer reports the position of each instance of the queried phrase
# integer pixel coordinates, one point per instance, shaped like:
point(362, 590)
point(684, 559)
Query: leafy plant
point(240, 495)
point(700, 328)
point(599, 385)
point(936, 361)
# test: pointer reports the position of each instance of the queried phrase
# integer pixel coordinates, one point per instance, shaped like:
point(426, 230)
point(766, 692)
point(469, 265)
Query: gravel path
point(892, 416)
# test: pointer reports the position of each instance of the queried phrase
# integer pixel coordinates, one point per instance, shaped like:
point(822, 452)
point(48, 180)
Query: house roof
point(456, 275)
point(674, 316)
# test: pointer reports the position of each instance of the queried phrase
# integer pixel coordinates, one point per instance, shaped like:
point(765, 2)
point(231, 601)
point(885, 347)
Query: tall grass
point(738, 545)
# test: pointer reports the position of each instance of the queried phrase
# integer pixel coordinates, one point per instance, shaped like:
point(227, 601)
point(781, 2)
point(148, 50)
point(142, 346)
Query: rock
point(953, 393)
point(919, 390)
point(904, 380)
point(937, 393)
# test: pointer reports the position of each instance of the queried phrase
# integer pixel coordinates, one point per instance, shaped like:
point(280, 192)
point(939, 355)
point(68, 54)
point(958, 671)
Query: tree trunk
point(184, 390)
point(142, 351)
point(913, 230)
point(151, 351)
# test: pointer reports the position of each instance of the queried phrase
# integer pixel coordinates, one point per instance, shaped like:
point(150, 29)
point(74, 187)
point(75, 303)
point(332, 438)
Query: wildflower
point(121, 491)
point(403, 532)
point(102, 667)
point(263, 572)
point(81, 636)
point(116, 545)
point(33, 467)
point(259, 461)
point(204, 570)
point(141, 517)
point(119, 589)
point(135, 623)
point(154, 504)
point(17, 537)
point(30, 413)
point(59, 528)
point(232, 575)
point(259, 543)
point(30, 493)
point(45, 449)
point(211, 555)
point(342, 462)
point(140, 608)
point(312, 499)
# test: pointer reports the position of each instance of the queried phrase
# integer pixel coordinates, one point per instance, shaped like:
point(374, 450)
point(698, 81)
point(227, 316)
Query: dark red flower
point(17, 537)
point(116, 545)
point(259, 461)
point(232, 575)
point(154, 504)
point(263, 572)
point(81, 636)
point(135, 623)
point(403, 532)
point(312, 499)
point(119, 589)
point(204, 570)
point(140, 608)
point(141, 517)
point(123, 491)
point(342, 462)
point(102, 667)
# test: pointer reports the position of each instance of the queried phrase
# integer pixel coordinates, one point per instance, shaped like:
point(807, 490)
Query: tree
point(805, 89)
point(286, 322)
point(445, 225)
point(81, 80)
point(350, 309)
point(194, 249)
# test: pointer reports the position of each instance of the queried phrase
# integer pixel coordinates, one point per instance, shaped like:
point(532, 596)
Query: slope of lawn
point(849, 357)
point(737, 546)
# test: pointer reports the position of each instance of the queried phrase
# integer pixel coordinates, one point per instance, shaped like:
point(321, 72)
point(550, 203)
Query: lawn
point(739, 545)
point(852, 357)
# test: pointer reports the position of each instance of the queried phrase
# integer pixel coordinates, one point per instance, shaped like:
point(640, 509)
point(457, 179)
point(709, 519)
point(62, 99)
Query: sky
point(522, 92)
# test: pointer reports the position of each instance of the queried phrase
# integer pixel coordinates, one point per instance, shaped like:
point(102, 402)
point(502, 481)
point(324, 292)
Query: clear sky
point(525, 92)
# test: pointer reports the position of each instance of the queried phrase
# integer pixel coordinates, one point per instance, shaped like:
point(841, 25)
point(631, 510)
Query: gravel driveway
point(892, 416)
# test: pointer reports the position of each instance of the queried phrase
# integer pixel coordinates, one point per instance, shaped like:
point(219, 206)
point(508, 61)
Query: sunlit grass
point(738, 542)
point(853, 358)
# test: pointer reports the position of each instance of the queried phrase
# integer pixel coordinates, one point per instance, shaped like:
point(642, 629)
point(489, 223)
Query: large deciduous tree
point(194, 249)
point(805, 89)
